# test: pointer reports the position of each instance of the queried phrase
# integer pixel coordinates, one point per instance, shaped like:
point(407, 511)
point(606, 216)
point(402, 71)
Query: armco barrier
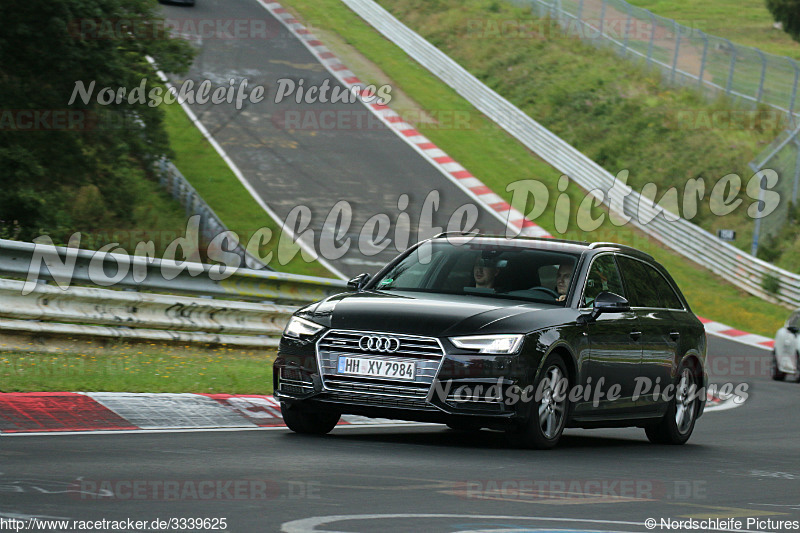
point(29, 306)
point(209, 224)
point(140, 315)
point(72, 266)
point(700, 246)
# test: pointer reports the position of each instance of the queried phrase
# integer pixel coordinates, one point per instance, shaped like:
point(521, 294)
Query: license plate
point(377, 368)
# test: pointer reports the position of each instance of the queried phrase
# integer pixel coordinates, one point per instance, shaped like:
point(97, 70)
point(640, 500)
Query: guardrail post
point(652, 38)
point(760, 92)
point(703, 60)
point(757, 226)
point(627, 29)
point(579, 16)
point(729, 85)
point(677, 50)
point(794, 86)
point(796, 171)
point(602, 17)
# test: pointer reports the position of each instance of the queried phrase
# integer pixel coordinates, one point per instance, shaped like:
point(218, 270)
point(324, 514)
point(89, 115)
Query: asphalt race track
point(310, 154)
point(740, 463)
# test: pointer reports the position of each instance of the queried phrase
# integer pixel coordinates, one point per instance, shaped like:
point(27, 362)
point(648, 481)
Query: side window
point(603, 276)
point(648, 288)
point(794, 320)
point(669, 299)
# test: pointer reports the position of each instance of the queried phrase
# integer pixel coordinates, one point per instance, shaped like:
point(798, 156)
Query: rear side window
point(794, 320)
point(603, 276)
point(646, 286)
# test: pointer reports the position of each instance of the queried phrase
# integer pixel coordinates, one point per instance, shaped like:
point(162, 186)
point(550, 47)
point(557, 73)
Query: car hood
point(431, 314)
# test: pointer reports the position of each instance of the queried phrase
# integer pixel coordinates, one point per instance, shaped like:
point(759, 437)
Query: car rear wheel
point(796, 375)
point(678, 423)
point(776, 374)
point(300, 420)
point(549, 409)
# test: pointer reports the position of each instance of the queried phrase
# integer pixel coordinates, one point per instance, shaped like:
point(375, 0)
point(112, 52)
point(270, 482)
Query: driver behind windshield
point(562, 280)
point(485, 271)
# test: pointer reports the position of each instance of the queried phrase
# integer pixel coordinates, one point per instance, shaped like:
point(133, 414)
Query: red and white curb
point(460, 176)
point(53, 412)
point(733, 334)
point(59, 412)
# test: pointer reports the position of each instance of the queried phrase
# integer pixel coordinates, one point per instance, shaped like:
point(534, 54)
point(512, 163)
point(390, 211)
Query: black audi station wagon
point(527, 336)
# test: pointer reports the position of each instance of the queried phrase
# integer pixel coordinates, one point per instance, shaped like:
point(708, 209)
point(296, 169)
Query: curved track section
point(740, 467)
point(316, 154)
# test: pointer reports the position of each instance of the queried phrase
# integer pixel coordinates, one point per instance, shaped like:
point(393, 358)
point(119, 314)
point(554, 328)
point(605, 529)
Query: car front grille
point(425, 352)
point(293, 381)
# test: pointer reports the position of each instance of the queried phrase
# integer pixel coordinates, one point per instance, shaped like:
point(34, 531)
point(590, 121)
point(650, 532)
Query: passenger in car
point(562, 280)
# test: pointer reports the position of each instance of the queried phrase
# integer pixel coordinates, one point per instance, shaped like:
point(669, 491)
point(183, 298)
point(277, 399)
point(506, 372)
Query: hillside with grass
point(620, 114)
point(496, 158)
point(746, 22)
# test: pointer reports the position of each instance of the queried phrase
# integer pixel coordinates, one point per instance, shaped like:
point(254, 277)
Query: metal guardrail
point(66, 266)
point(210, 225)
point(122, 314)
point(690, 57)
point(682, 236)
point(219, 316)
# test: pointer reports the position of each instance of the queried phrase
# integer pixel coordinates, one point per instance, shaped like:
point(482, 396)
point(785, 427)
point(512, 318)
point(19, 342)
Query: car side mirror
point(358, 282)
point(606, 302)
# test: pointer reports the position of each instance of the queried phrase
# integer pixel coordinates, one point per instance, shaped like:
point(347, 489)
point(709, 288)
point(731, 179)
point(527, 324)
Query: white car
point(786, 354)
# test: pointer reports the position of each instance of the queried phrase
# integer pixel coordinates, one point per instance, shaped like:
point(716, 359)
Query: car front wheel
point(678, 423)
point(300, 420)
point(549, 408)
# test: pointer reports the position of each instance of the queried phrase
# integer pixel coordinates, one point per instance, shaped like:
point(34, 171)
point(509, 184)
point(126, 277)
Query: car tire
point(796, 375)
point(774, 373)
point(301, 420)
point(549, 412)
point(678, 423)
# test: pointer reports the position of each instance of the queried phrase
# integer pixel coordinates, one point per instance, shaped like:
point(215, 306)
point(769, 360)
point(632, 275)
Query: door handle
point(674, 335)
point(635, 335)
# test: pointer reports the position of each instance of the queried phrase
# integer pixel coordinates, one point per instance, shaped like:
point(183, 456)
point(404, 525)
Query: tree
point(55, 155)
point(787, 12)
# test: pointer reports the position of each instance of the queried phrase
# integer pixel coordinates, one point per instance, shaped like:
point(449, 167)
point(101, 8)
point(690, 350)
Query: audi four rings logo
point(373, 343)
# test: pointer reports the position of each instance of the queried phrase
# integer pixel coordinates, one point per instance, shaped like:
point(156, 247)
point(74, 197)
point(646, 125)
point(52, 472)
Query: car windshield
point(490, 270)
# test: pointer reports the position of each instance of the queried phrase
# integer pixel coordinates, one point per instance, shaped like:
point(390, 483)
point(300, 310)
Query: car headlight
point(498, 344)
point(300, 327)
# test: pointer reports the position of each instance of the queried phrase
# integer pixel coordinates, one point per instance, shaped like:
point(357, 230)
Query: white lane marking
point(722, 406)
point(309, 525)
point(309, 248)
point(416, 142)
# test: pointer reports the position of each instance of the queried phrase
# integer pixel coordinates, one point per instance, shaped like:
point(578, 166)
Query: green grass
point(496, 159)
point(746, 22)
point(152, 215)
point(138, 369)
point(224, 193)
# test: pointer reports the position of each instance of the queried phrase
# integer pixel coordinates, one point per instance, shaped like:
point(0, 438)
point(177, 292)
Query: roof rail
point(619, 246)
point(524, 237)
point(456, 233)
